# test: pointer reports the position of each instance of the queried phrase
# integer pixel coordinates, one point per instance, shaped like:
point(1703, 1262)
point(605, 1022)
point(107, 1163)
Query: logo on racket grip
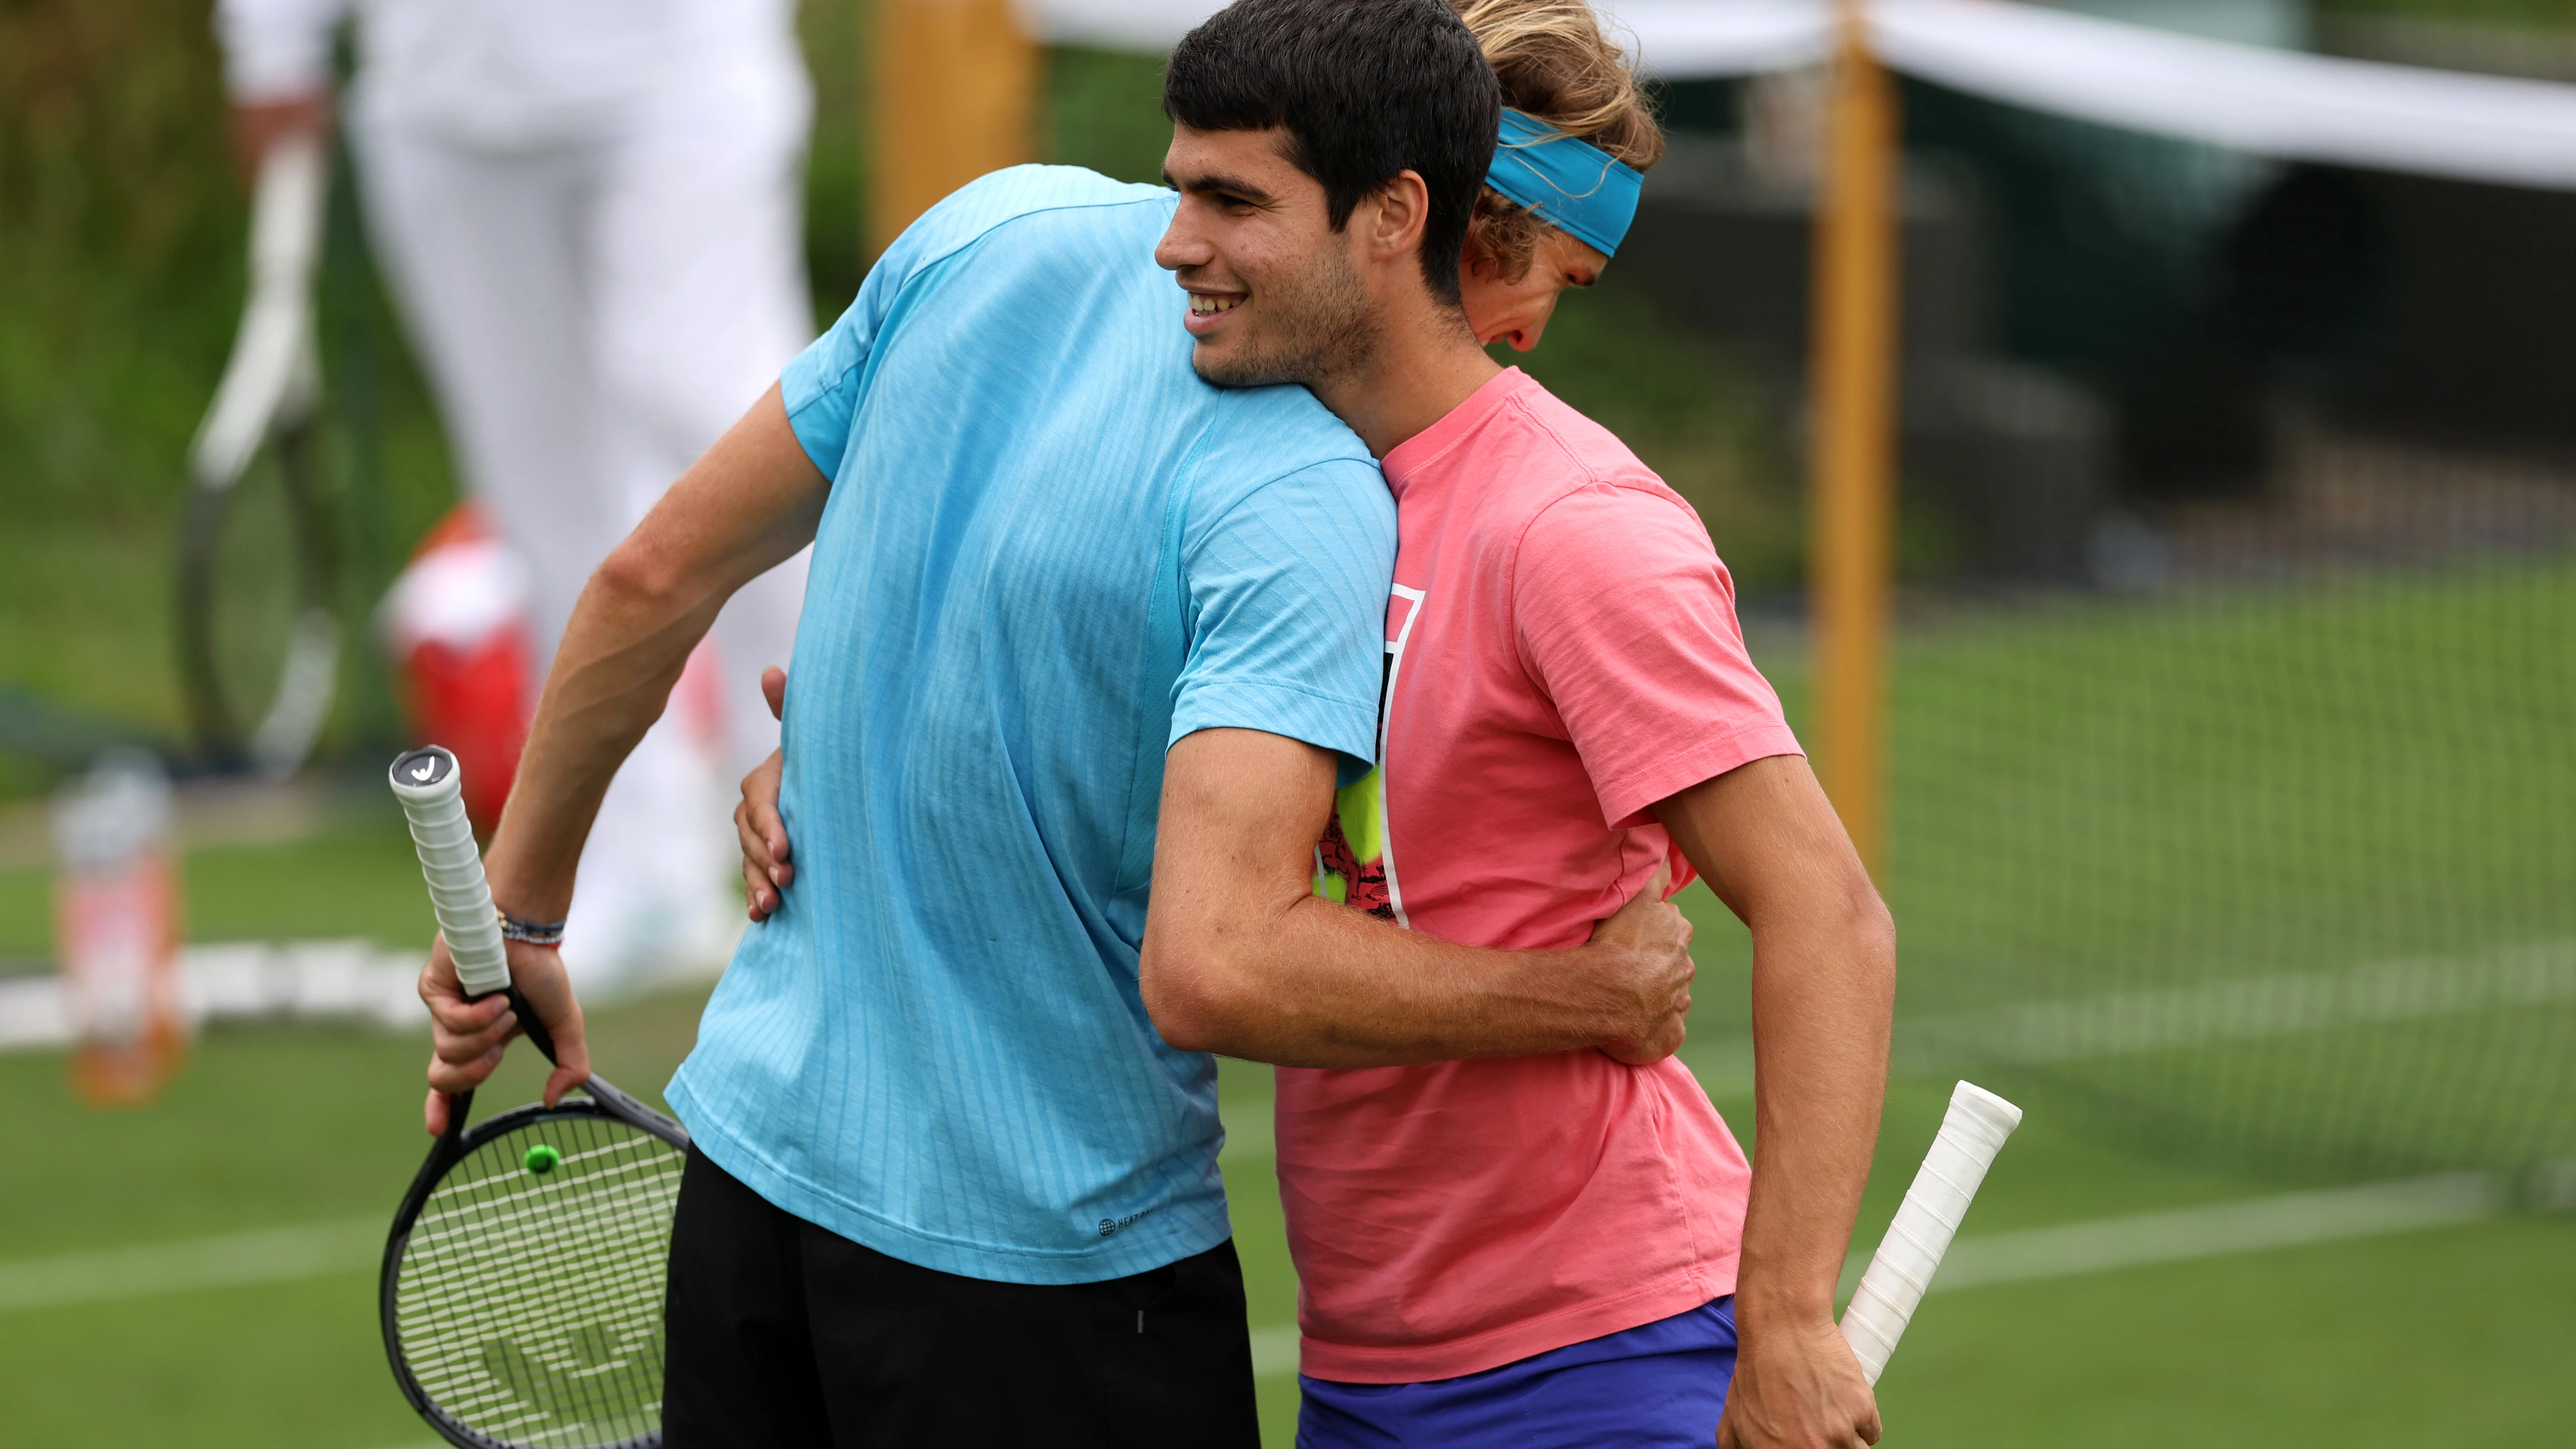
point(423, 767)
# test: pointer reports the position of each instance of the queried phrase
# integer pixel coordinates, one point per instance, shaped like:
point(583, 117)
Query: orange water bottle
point(116, 930)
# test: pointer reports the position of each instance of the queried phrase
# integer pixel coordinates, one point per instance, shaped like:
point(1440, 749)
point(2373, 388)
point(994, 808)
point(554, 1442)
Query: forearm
point(1823, 991)
point(749, 504)
point(612, 676)
point(1317, 984)
point(1241, 957)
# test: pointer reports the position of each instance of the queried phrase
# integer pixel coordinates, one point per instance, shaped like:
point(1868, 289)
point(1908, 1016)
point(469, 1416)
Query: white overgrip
point(430, 784)
point(1972, 1132)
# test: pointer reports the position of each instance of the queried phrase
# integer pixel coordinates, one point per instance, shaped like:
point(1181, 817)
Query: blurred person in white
point(590, 214)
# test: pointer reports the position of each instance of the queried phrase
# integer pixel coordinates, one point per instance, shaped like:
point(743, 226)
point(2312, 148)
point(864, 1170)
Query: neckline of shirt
point(1407, 460)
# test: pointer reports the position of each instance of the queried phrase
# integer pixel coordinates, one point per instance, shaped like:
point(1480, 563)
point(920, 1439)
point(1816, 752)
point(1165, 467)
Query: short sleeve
point(1288, 594)
point(1627, 619)
point(820, 386)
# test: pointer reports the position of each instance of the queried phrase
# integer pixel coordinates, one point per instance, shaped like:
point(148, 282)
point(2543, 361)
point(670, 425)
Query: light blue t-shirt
point(1049, 552)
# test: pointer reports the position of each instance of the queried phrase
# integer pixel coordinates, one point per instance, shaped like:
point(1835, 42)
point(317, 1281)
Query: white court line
point(272, 1255)
point(2027, 1255)
point(2250, 1008)
point(2291, 1220)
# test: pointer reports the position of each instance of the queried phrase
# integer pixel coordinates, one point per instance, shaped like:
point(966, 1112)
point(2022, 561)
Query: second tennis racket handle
point(430, 783)
point(1972, 1132)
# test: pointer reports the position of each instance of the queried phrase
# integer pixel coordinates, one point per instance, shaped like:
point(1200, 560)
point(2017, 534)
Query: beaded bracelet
point(535, 933)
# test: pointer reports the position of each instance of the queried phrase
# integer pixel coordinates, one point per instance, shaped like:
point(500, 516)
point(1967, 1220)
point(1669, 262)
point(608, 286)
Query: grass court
point(2446, 1335)
point(2030, 863)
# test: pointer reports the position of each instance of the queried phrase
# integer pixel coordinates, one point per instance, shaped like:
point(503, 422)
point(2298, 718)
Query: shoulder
point(1583, 454)
point(1278, 447)
point(1617, 527)
point(1065, 200)
point(1519, 451)
point(1572, 484)
point(1584, 507)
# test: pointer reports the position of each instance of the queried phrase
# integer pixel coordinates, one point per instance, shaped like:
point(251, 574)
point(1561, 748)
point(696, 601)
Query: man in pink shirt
point(1552, 1247)
point(1509, 1229)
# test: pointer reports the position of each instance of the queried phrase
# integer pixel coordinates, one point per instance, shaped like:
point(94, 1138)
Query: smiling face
point(1275, 293)
point(1517, 312)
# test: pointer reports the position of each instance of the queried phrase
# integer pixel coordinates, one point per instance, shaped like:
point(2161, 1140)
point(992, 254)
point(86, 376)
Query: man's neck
point(1425, 364)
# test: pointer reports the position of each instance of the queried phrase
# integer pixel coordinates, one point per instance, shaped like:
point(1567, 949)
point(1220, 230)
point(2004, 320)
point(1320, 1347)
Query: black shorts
point(783, 1335)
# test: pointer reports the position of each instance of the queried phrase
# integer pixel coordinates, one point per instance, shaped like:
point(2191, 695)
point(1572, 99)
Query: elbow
point(1185, 995)
point(1871, 931)
point(638, 573)
point(1866, 916)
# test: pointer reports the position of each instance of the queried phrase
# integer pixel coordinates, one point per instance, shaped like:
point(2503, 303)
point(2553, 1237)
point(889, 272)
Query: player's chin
point(1213, 362)
point(1226, 362)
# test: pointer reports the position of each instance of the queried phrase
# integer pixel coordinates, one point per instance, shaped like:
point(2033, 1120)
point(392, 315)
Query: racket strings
point(528, 1306)
point(551, 1368)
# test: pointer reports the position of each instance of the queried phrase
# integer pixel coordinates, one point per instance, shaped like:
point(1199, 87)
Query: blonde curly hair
point(1556, 65)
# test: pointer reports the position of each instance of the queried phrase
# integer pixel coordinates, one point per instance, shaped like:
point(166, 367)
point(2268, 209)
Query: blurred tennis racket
point(259, 542)
point(522, 1286)
point(1899, 1274)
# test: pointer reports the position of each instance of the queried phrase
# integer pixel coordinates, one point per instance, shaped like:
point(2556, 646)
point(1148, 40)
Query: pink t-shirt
point(1562, 652)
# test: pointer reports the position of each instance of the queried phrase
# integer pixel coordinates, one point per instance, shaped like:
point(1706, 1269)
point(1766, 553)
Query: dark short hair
point(1365, 89)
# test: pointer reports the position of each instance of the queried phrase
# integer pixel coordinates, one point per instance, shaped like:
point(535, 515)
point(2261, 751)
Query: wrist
point(535, 905)
point(546, 934)
point(520, 889)
point(1782, 1306)
point(1602, 1001)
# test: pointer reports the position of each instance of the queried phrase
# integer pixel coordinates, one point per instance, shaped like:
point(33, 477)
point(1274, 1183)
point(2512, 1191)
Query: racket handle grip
point(1972, 1132)
point(430, 784)
point(535, 1029)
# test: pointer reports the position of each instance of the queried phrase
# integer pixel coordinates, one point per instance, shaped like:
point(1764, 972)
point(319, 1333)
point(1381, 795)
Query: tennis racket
point(522, 1285)
point(259, 543)
point(1972, 1132)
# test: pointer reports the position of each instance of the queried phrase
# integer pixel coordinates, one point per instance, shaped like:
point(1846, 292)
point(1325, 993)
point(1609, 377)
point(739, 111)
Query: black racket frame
point(604, 1101)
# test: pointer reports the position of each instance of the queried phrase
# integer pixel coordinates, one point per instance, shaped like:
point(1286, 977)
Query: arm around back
point(743, 508)
point(748, 505)
point(1241, 957)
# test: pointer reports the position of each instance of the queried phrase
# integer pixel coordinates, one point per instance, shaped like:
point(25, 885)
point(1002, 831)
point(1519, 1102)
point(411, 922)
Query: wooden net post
point(955, 91)
point(1853, 451)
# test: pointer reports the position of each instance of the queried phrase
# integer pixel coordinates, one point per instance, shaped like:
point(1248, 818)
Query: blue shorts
point(1662, 1383)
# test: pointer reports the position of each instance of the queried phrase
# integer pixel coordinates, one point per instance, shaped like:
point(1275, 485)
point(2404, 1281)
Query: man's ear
point(1399, 212)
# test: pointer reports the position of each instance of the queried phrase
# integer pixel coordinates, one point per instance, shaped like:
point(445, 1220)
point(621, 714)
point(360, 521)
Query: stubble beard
point(1321, 326)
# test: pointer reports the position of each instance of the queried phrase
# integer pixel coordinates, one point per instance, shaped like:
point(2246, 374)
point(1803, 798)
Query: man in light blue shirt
point(951, 1184)
point(1016, 607)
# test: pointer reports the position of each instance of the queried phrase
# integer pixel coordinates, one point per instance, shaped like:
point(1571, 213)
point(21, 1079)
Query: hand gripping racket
point(1972, 1132)
point(522, 1286)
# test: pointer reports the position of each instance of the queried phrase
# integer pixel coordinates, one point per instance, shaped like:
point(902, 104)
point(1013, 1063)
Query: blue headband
point(1573, 185)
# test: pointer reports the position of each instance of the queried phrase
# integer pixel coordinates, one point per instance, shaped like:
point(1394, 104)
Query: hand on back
point(1645, 965)
point(1642, 953)
point(756, 823)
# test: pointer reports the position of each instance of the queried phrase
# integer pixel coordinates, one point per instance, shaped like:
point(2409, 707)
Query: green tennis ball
point(542, 1159)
